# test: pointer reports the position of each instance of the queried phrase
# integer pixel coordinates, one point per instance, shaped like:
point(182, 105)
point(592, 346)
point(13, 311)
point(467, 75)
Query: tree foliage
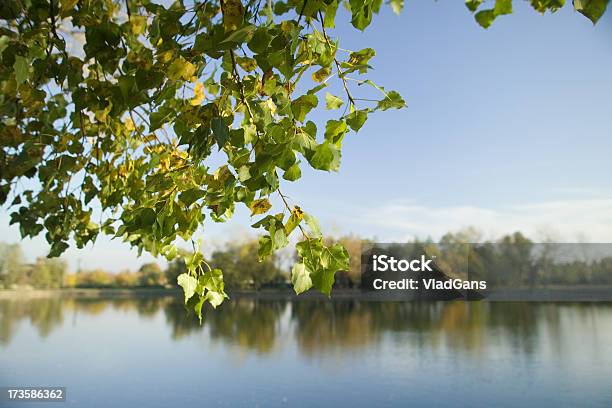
point(140, 120)
point(15, 272)
point(242, 268)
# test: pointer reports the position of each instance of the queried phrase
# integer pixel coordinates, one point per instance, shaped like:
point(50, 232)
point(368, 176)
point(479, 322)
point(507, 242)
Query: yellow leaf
point(297, 215)
point(129, 125)
point(139, 23)
point(164, 164)
point(297, 211)
point(270, 104)
point(198, 94)
point(165, 56)
point(260, 206)
point(181, 68)
point(321, 74)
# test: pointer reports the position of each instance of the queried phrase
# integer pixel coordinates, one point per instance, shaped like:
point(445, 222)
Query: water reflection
point(320, 327)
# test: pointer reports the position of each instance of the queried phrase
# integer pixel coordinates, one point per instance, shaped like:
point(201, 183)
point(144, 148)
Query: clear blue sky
point(506, 129)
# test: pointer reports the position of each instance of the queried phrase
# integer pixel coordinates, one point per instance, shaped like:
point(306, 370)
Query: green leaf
point(592, 9)
point(169, 252)
point(502, 7)
point(293, 173)
point(391, 100)
point(338, 257)
point(302, 105)
point(361, 57)
point(330, 14)
point(220, 131)
point(241, 35)
point(547, 5)
point(22, 69)
point(335, 130)
point(260, 41)
point(332, 102)
point(485, 18)
point(193, 260)
point(145, 216)
point(362, 13)
point(265, 247)
point(197, 308)
point(214, 298)
point(4, 42)
point(313, 225)
point(188, 283)
point(190, 196)
point(57, 248)
point(212, 280)
point(356, 119)
point(181, 69)
point(66, 6)
point(300, 278)
point(473, 5)
point(326, 157)
point(244, 173)
point(329, 262)
point(280, 239)
point(323, 280)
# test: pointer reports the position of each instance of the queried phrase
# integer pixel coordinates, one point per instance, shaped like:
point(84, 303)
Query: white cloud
point(570, 220)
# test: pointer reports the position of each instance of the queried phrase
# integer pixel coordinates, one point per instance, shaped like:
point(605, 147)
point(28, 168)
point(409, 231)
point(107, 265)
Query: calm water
point(145, 352)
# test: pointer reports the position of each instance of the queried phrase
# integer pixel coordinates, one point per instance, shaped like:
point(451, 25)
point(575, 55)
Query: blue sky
point(506, 129)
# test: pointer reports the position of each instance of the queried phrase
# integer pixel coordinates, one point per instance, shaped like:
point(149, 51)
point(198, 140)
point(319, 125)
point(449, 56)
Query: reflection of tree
point(149, 306)
point(250, 324)
point(328, 326)
point(518, 322)
point(324, 327)
point(94, 306)
point(181, 323)
point(44, 314)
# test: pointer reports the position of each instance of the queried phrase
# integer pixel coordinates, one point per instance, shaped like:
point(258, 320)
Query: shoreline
point(582, 293)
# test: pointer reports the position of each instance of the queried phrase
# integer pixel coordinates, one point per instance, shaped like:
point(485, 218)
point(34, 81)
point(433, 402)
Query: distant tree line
point(512, 260)
point(149, 275)
point(43, 273)
point(239, 261)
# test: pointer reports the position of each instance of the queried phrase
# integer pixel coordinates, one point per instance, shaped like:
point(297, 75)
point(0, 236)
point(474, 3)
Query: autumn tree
point(11, 264)
point(151, 275)
point(241, 267)
point(140, 120)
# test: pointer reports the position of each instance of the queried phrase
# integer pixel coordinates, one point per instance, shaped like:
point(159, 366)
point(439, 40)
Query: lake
point(130, 352)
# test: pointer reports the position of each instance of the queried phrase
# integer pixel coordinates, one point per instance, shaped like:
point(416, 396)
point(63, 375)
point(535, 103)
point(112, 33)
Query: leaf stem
point(284, 198)
point(340, 74)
